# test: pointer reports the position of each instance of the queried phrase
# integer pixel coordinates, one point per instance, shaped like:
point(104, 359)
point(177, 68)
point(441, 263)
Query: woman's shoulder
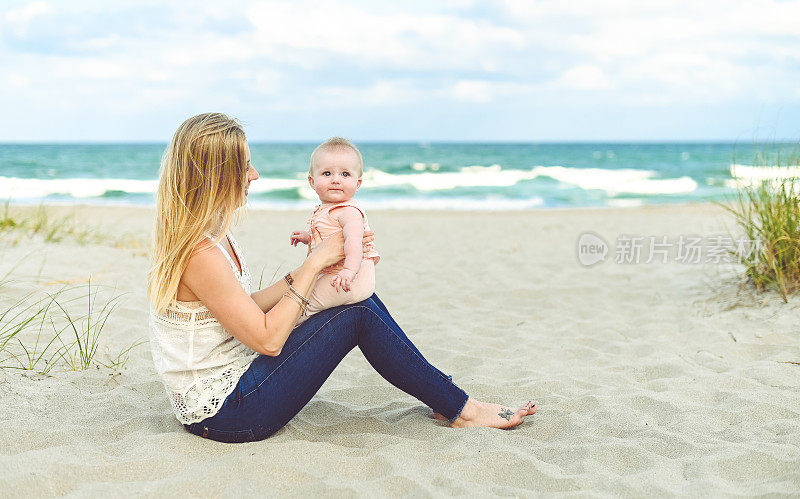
point(206, 262)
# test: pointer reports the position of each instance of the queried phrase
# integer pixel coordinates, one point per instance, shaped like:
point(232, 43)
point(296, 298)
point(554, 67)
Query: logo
point(592, 249)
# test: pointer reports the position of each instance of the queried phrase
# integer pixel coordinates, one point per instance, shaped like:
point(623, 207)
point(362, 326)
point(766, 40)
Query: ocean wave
point(31, 188)
point(467, 176)
point(34, 188)
point(613, 182)
point(450, 204)
point(624, 203)
point(470, 176)
point(263, 184)
point(747, 176)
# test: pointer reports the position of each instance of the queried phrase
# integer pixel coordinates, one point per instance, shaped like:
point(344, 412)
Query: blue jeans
point(274, 389)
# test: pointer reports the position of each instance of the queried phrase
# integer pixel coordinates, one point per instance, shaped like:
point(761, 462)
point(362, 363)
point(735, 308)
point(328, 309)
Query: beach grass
point(261, 282)
point(21, 316)
point(86, 329)
point(41, 221)
point(768, 215)
point(42, 330)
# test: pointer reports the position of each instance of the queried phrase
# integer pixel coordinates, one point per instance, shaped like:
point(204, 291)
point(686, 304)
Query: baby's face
point(335, 177)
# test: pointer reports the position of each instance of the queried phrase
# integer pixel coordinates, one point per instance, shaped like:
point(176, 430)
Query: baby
point(335, 175)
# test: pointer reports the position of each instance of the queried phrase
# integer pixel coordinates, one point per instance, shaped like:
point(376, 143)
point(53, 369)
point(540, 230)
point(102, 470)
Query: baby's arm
point(300, 236)
point(353, 230)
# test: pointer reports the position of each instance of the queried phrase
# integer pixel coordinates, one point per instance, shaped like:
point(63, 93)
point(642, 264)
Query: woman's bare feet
point(491, 415)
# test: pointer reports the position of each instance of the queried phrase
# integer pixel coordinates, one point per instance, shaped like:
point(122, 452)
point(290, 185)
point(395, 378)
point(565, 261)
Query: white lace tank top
point(199, 362)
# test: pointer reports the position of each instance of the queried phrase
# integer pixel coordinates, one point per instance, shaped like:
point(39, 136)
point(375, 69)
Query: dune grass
point(84, 332)
point(261, 282)
point(42, 222)
point(21, 316)
point(768, 215)
point(43, 331)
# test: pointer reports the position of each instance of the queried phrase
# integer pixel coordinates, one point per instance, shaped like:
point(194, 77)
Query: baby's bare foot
point(492, 415)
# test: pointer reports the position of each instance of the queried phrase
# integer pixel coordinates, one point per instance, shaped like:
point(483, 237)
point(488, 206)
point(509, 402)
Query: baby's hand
point(300, 236)
point(342, 280)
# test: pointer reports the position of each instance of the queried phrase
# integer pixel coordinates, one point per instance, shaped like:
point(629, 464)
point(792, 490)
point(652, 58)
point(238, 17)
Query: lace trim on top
point(200, 314)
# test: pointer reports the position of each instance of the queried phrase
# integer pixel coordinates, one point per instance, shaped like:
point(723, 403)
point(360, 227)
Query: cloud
point(669, 51)
point(449, 58)
point(17, 80)
point(320, 34)
point(473, 91)
point(19, 19)
point(584, 77)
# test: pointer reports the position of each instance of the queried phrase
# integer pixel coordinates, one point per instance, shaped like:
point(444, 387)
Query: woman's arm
point(267, 298)
point(208, 275)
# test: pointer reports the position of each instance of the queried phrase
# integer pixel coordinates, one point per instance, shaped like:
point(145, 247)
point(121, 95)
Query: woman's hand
point(331, 250)
point(369, 236)
point(326, 252)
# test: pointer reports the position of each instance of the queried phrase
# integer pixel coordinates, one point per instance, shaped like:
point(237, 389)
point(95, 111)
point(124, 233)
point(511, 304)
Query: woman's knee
point(333, 321)
point(354, 310)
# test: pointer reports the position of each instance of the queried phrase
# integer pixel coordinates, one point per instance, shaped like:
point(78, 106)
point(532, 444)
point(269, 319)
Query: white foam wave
point(33, 188)
point(613, 182)
point(277, 184)
point(628, 181)
point(454, 204)
point(468, 176)
point(28, 188)
point(625, 203)
point(747, 176)
point(421, 167)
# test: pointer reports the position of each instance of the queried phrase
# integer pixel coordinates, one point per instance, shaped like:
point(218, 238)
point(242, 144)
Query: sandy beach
point(652, 379)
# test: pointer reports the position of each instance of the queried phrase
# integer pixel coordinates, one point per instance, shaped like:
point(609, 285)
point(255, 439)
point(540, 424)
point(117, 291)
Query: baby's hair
point(335, 144)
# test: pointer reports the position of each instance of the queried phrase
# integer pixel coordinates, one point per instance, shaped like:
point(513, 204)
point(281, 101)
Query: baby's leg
point(325, 296)
point(363, 285)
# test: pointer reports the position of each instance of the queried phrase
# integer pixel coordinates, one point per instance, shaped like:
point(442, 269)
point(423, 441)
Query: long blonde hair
point(201, 185)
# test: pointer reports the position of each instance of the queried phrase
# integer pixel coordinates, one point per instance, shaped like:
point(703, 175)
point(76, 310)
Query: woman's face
point(251, 172)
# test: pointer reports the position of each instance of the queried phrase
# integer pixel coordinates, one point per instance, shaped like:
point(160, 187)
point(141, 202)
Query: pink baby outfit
point(324, 295)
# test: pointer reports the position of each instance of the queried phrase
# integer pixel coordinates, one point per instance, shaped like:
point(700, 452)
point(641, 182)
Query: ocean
point(439, 176)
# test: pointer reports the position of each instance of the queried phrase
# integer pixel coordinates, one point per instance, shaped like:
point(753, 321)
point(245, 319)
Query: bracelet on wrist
point(290, 280)
point(296, 300)
point(298, 295)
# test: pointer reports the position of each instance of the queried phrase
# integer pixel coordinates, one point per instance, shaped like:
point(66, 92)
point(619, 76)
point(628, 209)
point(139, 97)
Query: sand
point(659, 379)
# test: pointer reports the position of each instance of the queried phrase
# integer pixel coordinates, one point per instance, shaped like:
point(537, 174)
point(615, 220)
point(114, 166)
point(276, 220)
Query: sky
point(449, 70)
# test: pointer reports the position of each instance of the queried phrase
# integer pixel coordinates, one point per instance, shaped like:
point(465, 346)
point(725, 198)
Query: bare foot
point(492, 415)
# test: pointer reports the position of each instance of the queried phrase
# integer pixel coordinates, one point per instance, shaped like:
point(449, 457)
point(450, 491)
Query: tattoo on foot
point(505, 413)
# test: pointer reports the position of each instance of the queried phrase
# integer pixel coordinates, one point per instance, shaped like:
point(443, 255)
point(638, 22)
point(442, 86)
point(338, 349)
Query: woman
point(232, 364)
